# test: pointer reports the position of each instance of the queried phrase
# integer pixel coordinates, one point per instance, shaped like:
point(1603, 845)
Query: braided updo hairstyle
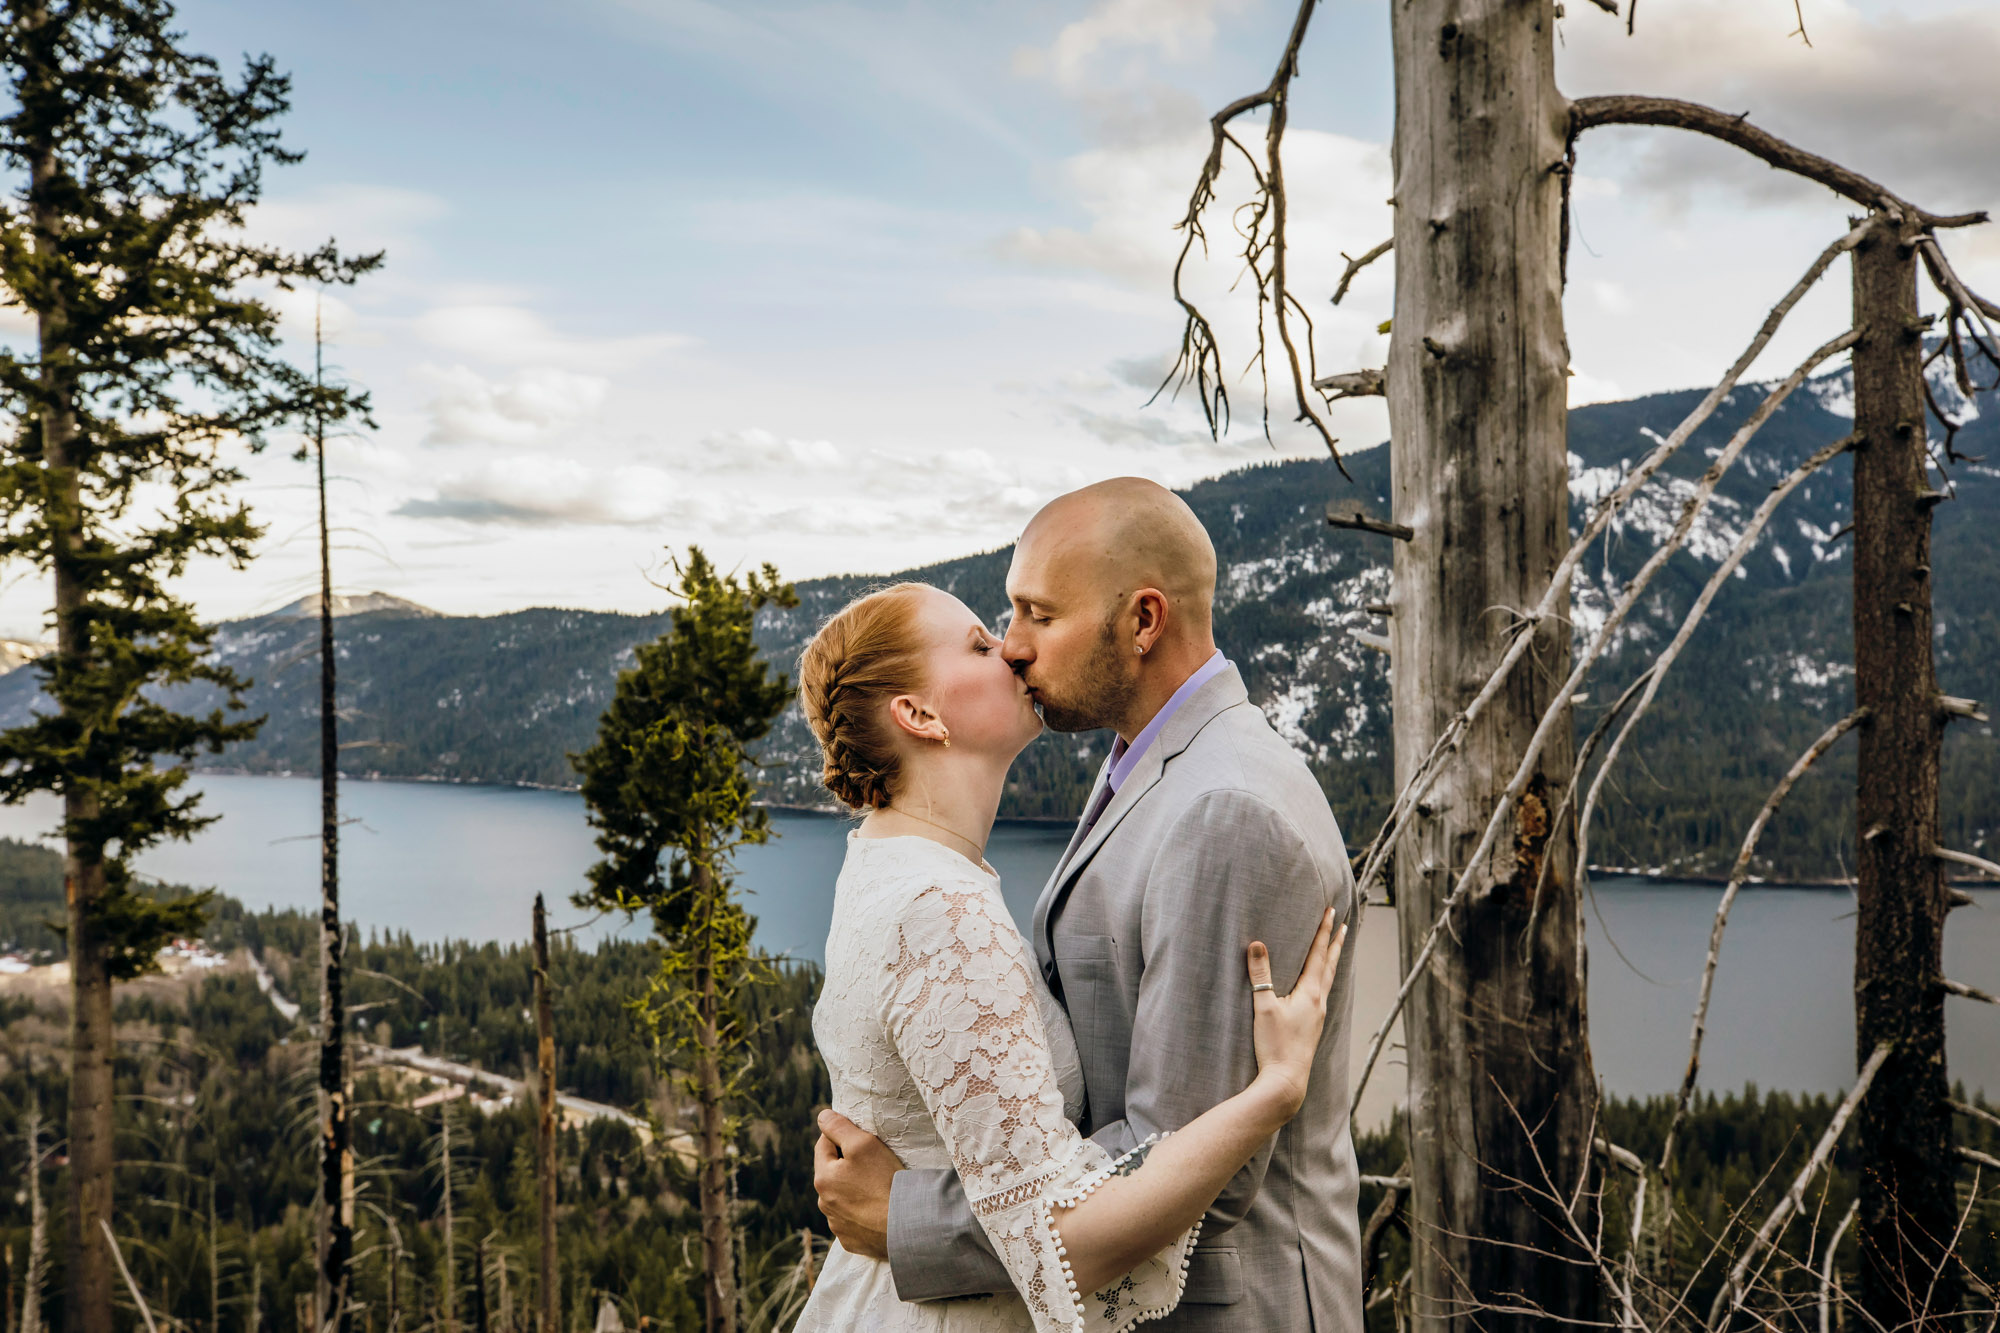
point(866, 655)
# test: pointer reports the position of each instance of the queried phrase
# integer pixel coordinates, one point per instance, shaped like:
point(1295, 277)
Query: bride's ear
point(916, 719)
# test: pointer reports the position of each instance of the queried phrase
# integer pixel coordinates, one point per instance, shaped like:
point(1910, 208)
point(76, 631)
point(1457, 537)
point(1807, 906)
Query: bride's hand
point(1287, 1029)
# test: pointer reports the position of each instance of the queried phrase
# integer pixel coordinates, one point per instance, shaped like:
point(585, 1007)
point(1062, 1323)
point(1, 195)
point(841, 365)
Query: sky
point(847, 287)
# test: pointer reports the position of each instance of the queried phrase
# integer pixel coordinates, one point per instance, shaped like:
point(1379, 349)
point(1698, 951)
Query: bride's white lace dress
point(943, 1042)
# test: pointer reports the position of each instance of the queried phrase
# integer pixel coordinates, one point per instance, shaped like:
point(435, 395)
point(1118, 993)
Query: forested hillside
point(505, 698)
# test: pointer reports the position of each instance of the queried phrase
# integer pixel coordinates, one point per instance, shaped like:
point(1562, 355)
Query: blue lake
point(459, 862)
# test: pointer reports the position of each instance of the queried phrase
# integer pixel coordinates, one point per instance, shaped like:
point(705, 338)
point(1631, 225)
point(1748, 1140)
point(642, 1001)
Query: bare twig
point(1974, 1112)
point(1354, 266)
point(145, 1311)
point(1969, 992)
point(1666, 658)
point(1826, 1283)
point(1976, 1157)
point(1353, 384)
point(1264, 242)
point(1672, 113)
point(1737, 875)
point(1733, 1291)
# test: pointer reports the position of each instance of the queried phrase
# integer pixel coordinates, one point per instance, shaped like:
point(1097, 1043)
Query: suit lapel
point(1209, 702)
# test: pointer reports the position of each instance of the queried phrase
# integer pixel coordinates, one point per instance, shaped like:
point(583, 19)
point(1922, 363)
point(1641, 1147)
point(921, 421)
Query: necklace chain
point(978, 851)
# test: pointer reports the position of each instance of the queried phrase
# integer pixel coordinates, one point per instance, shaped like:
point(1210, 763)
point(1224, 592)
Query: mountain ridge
point(505, 698)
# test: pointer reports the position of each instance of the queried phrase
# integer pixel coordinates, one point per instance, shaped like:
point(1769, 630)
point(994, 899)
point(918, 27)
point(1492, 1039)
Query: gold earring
point(946, 738)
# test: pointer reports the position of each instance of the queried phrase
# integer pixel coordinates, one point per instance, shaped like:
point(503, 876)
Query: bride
point(940, 1035)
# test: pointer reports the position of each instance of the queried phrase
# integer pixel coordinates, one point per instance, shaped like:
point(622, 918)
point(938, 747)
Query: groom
point(1203, 832)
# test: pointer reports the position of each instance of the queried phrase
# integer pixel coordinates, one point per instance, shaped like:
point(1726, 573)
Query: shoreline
point(1702, 880)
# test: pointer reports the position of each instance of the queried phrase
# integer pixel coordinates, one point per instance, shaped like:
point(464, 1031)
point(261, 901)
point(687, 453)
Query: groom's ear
point(1148, 613)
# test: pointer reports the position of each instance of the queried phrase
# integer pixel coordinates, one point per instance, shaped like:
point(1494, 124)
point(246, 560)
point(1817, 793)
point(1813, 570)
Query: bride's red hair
point(869, 652)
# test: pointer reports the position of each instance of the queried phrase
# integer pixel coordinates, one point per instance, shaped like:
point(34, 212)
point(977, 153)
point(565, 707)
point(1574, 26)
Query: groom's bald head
point(1126, 534)
point(1112, 588)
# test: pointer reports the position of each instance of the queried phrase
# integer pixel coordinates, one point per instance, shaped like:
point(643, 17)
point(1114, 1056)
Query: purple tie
point(1104, 795)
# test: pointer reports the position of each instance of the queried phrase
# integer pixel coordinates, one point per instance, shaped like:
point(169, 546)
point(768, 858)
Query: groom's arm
point(1231, 870)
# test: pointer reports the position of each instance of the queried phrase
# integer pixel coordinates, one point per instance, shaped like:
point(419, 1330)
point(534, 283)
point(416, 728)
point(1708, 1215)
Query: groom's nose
point(1015, 649)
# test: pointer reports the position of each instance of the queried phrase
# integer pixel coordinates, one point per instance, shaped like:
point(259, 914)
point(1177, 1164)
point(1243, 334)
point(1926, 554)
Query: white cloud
point(511, 334)
point(755, 449)
point(1176, 29)
point(527, 490)
point(527, 406)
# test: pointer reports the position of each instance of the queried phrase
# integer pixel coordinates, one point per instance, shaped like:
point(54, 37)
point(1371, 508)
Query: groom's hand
point(851, 1171)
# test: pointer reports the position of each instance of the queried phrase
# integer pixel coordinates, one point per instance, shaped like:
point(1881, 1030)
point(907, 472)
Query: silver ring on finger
point(1262, 985)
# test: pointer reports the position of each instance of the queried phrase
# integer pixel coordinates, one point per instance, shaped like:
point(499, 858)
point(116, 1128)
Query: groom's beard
point(1093, 696)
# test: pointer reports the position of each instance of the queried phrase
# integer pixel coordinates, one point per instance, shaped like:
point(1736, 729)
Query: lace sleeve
point(961, 1010)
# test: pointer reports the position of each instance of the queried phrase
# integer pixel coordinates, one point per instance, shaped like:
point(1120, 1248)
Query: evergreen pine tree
point(669, 786)
point(135, 162)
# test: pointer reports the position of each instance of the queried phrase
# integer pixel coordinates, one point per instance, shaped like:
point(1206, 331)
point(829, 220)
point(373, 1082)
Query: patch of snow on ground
point(1835, 393)
point(1288, 712)
point(1784, 558)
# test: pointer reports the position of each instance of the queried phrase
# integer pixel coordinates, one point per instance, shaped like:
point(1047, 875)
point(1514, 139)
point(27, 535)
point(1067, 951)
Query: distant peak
point(353, 604)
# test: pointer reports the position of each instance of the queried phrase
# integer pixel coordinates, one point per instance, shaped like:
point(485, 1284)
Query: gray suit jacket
point(1220, 836)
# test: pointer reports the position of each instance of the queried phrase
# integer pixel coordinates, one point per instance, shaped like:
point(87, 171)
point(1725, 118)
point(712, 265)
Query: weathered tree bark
point(335, 1129)
point(91, 1276)
point(1908, 1209)
point(545, 1125)
point(717, 1227)
point(1500, 1083)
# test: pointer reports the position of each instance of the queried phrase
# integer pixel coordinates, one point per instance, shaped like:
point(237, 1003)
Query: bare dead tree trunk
point(449, 1296)
point(545, 1124)
point(1908, 1210)
point(336, 1129)
point(1500, 1082)
point(718, 1253)
point(480, 1323)
point(38, 1221)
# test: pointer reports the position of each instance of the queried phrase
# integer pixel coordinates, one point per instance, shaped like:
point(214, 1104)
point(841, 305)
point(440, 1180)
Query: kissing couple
point(1138, 1111)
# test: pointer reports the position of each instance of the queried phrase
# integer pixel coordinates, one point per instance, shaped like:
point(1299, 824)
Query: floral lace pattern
point(943, 1042)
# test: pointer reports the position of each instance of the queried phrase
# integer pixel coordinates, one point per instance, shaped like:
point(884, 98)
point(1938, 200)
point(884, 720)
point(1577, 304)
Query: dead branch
point(1979, 863)
point(1557, 711)
point(1623, 1157)
point(1826, 1284)
point(145, 1311)
point(1354, 384)
point(1976, 1157)
point(1952, 706)
point(1733, 1290)
point(1358, 519)
point(1672, 113)
point(1264, 242)
point(1419, 784)
point(1969, 992)
point(1738, 873)
point(1354, 266)
point(1974, 1112)
point(1379, 1221)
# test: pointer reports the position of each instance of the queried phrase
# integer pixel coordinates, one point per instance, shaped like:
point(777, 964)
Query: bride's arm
point(1131, 1217)
point(959, 1006)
